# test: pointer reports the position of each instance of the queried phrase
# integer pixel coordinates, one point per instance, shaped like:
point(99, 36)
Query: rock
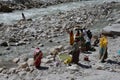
point(112, 30)
point(41, 45)
point(30, 61)
point(1, 69)
point(5, 8)
point(16, 60)
point(3, 43)
point(27, 69)
point(117, 21)
point(22, 73)
point(20, 43)
point(73, 67)
point(53, 51)
point(45, 60)
point(12, 70)
point(23, 65)
point(49, 56)
point(99, 66)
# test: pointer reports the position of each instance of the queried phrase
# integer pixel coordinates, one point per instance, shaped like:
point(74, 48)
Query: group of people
point(81, 42)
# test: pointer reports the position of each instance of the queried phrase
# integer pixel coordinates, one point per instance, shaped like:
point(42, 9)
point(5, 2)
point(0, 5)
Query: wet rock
point(16, 60)
point(23, 65)
point(30, 61)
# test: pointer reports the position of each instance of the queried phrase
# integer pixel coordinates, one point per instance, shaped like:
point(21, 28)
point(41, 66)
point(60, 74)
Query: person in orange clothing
point(71, 34)
point(103, 48)
point(37, 57)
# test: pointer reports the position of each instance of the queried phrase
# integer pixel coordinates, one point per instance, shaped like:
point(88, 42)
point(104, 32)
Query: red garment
point(37, 59)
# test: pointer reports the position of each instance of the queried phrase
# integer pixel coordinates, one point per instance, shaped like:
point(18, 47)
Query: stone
point(45, 60)
point(73, 67)
point(12, 70)
point(16, 60)
point(30, 61)
point(23, 65)
point(53, 51)
point(1, 69)
point(112, 30)
point(5, 8)
point(3, 43)
point(117, 21)
point(20, 43)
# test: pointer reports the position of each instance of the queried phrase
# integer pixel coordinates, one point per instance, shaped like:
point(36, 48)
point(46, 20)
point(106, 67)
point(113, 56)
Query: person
point(75, 51)
point(82, 41)
point(103, 48)
point(96, 41)
point(37, 57)
point(89, 34)
point(71, 34)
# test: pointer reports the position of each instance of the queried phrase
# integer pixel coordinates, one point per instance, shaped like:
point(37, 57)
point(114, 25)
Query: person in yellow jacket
point(103, 48)
point(71, 34)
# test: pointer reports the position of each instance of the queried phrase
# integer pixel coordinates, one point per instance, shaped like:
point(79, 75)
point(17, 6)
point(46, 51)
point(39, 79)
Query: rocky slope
point(18, 42)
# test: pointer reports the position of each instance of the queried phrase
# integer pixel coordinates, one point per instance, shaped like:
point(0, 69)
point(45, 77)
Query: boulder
point(30, 61)
point(1, 69)
point(112, 30)
point(117, 21)
point(16, 60)
point(3, 43)
point(23, 65)
point(5, 8)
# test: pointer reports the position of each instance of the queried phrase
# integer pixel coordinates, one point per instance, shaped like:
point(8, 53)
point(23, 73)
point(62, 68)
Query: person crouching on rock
point(37, 57)
point(103, 48)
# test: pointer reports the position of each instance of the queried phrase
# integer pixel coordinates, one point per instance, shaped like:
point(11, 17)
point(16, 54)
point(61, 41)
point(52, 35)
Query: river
point(34, 13)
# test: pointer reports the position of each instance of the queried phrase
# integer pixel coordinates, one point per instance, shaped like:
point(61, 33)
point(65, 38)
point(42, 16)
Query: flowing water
point(36, 13)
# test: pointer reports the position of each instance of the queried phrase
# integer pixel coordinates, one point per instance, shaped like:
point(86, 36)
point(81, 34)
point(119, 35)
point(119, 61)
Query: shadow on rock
point(84, 66)
point(42, 68)
point(113, 62)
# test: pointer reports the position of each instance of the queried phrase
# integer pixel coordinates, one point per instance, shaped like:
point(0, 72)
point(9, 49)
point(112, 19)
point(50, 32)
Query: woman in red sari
point(37, 57)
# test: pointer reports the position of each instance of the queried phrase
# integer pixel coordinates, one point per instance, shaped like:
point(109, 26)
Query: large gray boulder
point(112, 30)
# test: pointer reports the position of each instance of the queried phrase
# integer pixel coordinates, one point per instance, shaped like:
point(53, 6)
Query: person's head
point(71, 31)
point(37, 50)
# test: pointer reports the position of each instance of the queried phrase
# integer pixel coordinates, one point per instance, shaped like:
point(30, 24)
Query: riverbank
point(49, 31)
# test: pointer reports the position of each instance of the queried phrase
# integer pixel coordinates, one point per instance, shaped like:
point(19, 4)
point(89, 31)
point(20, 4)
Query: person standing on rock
point(37, 57)
point(75, 52)
point(71, 34)
point(103, 48)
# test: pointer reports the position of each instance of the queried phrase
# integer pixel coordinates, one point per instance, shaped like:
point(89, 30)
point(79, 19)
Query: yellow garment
point(71, 38)
point(103, 42)
point(68, 60)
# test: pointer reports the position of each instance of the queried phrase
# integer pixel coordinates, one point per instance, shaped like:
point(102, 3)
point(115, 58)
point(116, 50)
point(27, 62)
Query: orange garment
point(71, 38)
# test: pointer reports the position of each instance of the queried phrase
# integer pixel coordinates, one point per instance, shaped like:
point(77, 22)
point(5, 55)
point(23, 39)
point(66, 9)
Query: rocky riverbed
point(11, 5)
point(18, 41)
